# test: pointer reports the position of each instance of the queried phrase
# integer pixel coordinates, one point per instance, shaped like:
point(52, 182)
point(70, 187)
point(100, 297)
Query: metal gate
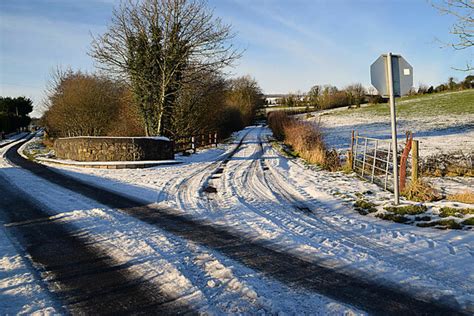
point(372, 160)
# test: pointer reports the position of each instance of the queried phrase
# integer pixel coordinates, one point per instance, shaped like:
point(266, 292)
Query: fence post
point(387, 163)
point(351, 150)
point(414, 162)
point(354, 156)
point(209, 141)
point(375, 159)
point(193, 144)
point(403, 160)
point(215, 138)
point(363, 160)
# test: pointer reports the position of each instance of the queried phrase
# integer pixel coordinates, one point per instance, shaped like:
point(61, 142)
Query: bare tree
point(463, 28)
point(355, 94)
point(160, 45)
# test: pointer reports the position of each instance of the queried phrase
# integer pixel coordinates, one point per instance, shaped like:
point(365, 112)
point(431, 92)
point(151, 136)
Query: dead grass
point(463, 197)
point(420, 191)
point(304, 138)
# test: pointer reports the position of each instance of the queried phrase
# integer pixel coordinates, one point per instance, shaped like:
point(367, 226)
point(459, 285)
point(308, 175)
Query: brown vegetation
point(420, 191)
point(463, 197)
point(304, 138)
point(81, 104)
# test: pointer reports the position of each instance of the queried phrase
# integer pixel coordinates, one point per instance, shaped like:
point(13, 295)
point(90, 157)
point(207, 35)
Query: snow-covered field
point(266, 198)
point(436, 133)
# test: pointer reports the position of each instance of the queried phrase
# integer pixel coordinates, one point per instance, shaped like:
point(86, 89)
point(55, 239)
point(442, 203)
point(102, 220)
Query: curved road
point(88, 280)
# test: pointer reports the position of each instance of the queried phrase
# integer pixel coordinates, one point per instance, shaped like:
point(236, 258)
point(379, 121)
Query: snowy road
point(242, 230)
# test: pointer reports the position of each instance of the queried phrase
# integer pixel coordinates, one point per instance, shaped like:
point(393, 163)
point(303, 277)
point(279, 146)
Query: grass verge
point(304, 138)
point(456, 212)
point(407, 209)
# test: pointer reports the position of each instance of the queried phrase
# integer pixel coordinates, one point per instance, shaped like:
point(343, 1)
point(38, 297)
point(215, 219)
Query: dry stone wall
point(113, 148)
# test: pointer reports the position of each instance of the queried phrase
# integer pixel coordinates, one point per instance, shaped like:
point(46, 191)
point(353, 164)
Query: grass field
point(438, 104)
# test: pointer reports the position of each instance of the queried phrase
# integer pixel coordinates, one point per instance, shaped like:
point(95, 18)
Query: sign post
point(392, 76)
point(393, 119)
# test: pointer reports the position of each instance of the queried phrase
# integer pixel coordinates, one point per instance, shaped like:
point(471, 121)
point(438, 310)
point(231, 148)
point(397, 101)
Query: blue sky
point(289, 45)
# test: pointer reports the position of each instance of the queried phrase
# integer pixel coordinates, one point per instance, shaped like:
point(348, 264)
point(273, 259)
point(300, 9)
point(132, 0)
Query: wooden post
point(354, 154)
point(375, 160)
point(414, 162)
point(363, 160)
point(387, 163)
point(403, 160)
point(215, 138)
point(351, 151)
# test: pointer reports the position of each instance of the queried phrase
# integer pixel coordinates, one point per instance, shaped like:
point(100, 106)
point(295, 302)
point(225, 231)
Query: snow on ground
point(437, 134)
point(203, 278)
point(12, 138)
point(267, 202)
point(21, 291)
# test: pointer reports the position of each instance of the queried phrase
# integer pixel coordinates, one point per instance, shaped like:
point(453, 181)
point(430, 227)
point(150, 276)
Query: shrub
point(304, 138)
point(277, 121)
point(83, 105)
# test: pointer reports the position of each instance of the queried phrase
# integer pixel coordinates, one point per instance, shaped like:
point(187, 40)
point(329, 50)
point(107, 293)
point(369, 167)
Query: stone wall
point(113, 148)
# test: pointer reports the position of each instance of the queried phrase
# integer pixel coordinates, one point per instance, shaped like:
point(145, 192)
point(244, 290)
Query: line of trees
point(328, 96)
point(14, 113)
point(450, 85)
point(82, 104)
point(161, 64)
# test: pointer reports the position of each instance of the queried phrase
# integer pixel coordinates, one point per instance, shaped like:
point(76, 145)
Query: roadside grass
point(436, 104)
point(442, 224)
point(457, 212)
point(303, 139)
point(463, 197)
point(407, 209)
point(401, 214)
point(393, 217)
point(420, 191)
point(469, 221)
point(364, 207)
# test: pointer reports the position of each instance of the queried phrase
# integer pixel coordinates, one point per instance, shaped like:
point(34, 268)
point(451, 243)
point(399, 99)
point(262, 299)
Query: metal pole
point(394, 128)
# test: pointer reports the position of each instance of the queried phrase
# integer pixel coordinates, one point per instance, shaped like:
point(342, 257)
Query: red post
point(403, 160)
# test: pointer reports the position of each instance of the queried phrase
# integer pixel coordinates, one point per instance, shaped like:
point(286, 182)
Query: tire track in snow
point(259, 256)
point(258, 172)
point(85, 279)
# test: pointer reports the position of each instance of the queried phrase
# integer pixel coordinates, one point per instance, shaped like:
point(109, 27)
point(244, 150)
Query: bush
point(305, 138)
point(88, 105)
